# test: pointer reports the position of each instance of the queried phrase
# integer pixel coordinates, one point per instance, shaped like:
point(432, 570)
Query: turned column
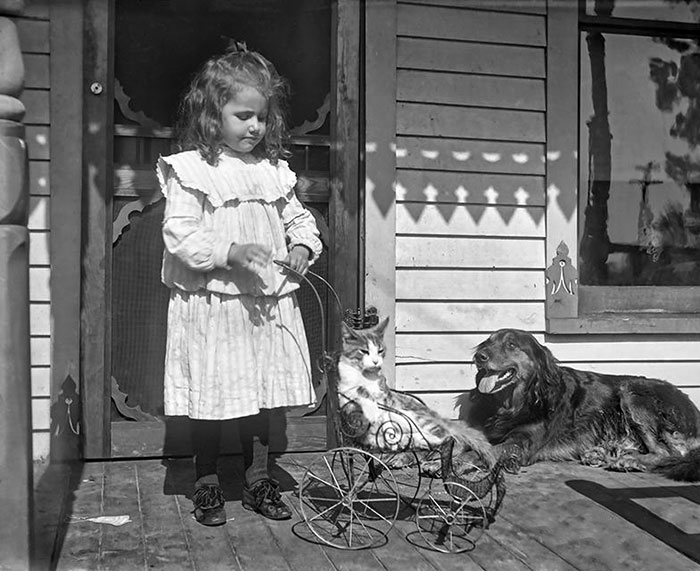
point(16, 482)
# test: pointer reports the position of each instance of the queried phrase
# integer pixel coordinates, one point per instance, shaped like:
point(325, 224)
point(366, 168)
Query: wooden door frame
point(96, 250)
point(97, 155)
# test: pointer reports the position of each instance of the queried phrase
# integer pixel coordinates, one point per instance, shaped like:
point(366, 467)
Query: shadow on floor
point(624, 502)
point(54, 493)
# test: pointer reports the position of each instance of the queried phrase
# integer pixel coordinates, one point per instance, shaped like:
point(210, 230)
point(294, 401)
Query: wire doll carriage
point(352, 495)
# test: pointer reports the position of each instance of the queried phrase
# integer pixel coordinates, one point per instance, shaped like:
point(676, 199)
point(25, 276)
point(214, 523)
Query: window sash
point(595, 309)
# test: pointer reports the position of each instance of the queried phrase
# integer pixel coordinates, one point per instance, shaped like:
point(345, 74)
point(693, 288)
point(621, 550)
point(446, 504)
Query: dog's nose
point(480, 357)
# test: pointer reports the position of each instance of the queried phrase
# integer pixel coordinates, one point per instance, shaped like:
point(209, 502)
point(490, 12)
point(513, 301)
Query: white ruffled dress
point(236, 340)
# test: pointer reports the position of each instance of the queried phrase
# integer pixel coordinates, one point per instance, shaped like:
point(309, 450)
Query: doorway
point(149, 50)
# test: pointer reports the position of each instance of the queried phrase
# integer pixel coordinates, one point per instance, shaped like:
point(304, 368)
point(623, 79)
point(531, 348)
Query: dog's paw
point(510, 455)
point(595, 457)
point(431, 468)
point(626, 464)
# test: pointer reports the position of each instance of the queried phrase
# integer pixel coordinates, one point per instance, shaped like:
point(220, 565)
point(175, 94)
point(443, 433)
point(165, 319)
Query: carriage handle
point(318, 299)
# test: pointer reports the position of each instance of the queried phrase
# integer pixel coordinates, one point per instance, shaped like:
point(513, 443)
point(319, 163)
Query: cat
point(377, 417)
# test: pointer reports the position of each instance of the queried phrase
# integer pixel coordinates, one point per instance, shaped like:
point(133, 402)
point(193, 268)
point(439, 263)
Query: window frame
point(571, 308)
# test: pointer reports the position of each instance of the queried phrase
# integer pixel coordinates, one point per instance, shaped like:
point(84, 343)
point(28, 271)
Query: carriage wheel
point(349, 499)
point(450, 518)
point(405, 466)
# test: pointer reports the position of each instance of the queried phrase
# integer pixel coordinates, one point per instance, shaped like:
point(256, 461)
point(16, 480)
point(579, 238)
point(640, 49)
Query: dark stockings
point(206, 442)
point(254, 434)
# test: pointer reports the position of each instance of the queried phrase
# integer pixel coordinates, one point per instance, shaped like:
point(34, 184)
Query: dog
point(534, 409)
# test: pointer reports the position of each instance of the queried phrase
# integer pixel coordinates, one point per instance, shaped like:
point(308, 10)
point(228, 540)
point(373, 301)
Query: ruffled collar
point(233, 178)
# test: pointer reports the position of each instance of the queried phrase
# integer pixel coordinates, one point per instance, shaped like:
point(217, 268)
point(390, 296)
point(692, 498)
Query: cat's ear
point(381, 326)
point(347, 331)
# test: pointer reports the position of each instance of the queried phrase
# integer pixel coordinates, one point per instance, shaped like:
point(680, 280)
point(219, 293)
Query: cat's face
point(365, 348)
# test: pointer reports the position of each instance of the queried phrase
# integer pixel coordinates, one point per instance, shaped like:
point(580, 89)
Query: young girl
point(236, 345)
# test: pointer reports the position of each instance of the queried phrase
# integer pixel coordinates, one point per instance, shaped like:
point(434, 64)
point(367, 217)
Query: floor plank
point(209, 548)
point(546, 523)
point(165, 534)
point(53, 488)
point(122, 546)
point(82, 541)
point(578, 529)
point(267, 544)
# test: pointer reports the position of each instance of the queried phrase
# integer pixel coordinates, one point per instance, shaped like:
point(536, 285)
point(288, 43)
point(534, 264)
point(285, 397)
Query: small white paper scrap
point(115, 520)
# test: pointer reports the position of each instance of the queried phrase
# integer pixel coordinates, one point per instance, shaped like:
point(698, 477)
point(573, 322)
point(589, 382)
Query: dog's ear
point(547, 361)
point(547, 373)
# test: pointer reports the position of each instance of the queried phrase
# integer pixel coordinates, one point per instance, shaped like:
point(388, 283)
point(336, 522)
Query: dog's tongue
point(487, 384)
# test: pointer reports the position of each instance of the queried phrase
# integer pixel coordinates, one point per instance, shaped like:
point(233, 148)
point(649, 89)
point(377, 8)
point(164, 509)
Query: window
point(634, 223)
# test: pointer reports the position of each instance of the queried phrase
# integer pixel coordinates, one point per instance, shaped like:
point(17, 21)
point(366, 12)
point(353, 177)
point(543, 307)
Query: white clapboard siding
point(39, 288)
point(34, 31)
point(468, 317)
point(40, 413)
point(436, 377)
point(41, 445)
point(39, 213)
point(469, 220)
point(471, 25)
point(472, 122)
point(471, 90)
point(470, 188)
point(36, 71)
point(678, 373)
point(468, 155)
point(468, 285)
point(41, 381)
point(36, 103)
point(442, 403)
point(431, 347)
point(40, 351)
point(37, 138)
point(38, 248)
point(522, 6)
point(446, 403)
point(466, 252)
point(460, 376)
point(472, 57)
point(39, 319)
point(33, 35)
point(38, 177)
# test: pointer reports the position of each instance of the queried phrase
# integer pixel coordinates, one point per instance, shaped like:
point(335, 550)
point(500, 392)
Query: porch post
point(16, 481)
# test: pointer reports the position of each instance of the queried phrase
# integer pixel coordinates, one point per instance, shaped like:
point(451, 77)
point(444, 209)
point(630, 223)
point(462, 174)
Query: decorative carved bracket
point(309, 126)
point(130, 412)
point(561, 285)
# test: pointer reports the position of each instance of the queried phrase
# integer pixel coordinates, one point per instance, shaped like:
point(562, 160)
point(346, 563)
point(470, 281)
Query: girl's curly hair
point(214, 85)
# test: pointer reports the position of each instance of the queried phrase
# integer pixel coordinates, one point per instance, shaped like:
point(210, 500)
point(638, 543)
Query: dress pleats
point(229, 356)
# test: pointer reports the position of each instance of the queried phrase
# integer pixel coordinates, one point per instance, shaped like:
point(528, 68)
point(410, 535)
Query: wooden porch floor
point(555, 517)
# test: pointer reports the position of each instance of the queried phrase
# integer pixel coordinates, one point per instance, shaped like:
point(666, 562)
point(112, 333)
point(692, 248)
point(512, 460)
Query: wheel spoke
point(329, 484)
point(330, 471)
point(356, 483)
point(321, 514)
point(375, 512)
point(437, 505)
point(431, 517)
point(348, 498)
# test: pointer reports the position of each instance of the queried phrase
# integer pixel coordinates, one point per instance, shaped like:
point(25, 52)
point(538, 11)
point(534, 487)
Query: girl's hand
point(298, 259)
point(251, 256)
